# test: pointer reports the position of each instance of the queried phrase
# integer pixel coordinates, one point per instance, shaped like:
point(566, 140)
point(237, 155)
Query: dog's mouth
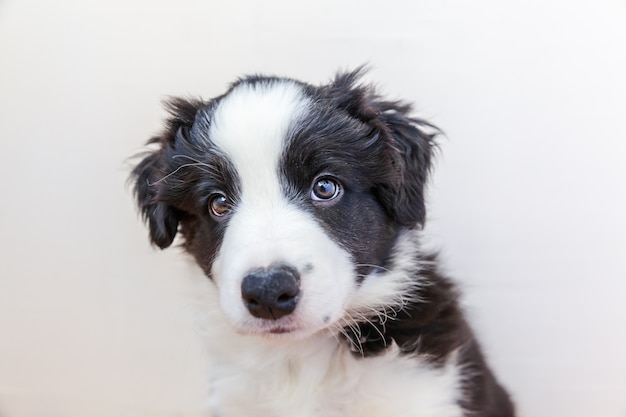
point(280, 327)
point(285, 329)
point(280, 330)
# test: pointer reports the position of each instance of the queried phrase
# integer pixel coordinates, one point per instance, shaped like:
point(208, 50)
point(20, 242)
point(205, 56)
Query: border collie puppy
point(303, 205)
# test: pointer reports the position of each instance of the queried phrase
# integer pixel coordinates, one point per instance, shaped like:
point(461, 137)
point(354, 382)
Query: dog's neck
point(420, 301)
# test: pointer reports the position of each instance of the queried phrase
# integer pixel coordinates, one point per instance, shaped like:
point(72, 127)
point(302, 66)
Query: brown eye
point(325, 189)
point(219, 205)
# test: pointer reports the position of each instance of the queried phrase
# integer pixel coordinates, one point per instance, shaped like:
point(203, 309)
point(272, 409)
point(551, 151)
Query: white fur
point(308, 371)
point(250, 126)
point(319, 376)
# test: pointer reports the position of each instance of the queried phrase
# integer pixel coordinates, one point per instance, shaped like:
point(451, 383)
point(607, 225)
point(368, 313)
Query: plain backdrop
point(527, 202)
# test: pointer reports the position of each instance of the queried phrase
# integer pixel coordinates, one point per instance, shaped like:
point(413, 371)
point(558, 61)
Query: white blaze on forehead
point(250, 125)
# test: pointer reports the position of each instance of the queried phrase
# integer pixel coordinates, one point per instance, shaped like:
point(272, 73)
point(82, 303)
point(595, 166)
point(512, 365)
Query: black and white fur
point(303, 205)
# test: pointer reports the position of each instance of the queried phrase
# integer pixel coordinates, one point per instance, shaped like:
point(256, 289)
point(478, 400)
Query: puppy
point(303, 206)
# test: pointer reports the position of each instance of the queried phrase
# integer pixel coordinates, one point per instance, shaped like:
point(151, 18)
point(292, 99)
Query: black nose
point(271, 293)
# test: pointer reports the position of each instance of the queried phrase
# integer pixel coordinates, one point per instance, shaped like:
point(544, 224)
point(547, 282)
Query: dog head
point(291, 197)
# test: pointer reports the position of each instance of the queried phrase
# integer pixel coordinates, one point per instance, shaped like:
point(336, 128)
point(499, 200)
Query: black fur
point(163, 218)
point(379, 153)
point(173, 183)
point(433, 329)
point(408, 147)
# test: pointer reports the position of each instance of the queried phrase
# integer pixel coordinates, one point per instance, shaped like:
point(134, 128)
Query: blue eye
point(325, 189)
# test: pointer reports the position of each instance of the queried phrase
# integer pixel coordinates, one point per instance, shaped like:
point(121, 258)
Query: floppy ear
point(412, 152)
point(148, 175)
point(162, 219)
point(408, 148)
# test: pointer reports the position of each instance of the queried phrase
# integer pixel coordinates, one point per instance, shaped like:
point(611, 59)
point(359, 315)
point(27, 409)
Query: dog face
point(292, 198)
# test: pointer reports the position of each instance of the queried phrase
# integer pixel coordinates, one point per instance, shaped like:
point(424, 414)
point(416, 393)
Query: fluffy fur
point(303, 204)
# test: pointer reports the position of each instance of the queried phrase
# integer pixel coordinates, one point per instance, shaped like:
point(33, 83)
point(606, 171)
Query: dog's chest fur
point(321, 377)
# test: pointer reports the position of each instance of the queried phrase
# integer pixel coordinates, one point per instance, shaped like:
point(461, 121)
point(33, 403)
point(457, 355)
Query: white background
point(528, 199)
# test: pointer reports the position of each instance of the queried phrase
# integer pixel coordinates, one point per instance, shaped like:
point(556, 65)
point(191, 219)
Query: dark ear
point(408, 148)
point(161, 218)
point(148, 176)
point(412, 153)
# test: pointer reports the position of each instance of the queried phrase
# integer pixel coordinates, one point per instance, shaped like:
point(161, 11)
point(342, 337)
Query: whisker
point(375, 266)
point(192, 159)
point(172, 173)
point(366, 320)
point(355, 342)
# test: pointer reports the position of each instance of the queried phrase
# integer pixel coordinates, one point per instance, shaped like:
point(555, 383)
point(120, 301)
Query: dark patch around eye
point(197, 169)
point(331, 143)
